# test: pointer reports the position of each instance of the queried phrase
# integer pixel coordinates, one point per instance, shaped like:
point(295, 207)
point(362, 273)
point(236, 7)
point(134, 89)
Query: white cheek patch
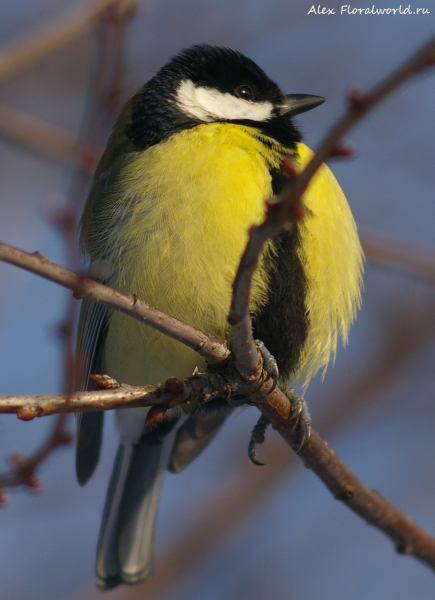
point(208, 104)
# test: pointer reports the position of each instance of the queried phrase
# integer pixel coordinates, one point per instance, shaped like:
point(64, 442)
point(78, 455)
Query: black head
point(208, 84)
point(224, 70)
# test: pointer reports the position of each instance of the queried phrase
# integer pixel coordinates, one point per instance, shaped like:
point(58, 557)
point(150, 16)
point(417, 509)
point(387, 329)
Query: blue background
point(291, 538)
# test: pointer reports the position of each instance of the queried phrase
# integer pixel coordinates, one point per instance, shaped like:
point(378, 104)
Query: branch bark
point(212, 349)
point(317, 455)
point(286, 209)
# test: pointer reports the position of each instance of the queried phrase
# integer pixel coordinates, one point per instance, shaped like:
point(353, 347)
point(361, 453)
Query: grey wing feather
point(90, 341)
point(125, 547)
point(92, 328)
point(194, 435)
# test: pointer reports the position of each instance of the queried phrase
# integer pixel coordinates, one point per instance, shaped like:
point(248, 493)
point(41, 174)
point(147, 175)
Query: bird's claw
point(270, 366)
point(258, 436)
point(300, 416)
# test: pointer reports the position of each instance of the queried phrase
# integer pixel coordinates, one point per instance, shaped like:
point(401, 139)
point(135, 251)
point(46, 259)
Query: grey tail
point(125, 545)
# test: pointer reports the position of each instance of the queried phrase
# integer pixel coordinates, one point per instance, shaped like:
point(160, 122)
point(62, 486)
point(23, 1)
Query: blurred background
point(225, 528)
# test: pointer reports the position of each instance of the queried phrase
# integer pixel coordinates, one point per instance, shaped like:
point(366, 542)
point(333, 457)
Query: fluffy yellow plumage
point(332, 255)
point(204, 221)
point(187, 170)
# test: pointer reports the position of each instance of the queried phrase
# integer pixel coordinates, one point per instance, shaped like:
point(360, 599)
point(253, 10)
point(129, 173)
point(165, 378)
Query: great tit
point(191, 160)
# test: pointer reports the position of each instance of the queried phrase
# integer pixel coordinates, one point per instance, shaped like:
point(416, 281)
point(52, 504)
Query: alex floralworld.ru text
point(373, 10)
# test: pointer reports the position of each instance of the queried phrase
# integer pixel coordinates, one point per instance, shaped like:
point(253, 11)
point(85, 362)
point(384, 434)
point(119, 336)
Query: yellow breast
point(191, 201)
point(185, 208)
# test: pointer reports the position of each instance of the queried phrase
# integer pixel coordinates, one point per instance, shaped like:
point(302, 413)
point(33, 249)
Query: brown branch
point(318, 456)
point(359, 104)
point(223, 382)
point(45, 405)
point(60, 31)
point(45, 138)
point(408, 537)
point(212, 349)
point(103, 101)
point(242, 341)
point(276, 406)
point(286, 208)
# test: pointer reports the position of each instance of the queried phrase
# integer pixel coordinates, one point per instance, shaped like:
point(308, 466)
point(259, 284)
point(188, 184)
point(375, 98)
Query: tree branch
point(275, 406)
point(24, 468)
point(407, 536)
point(212, 349)
point(359, 104)
point(286, 209)
point(318, 456)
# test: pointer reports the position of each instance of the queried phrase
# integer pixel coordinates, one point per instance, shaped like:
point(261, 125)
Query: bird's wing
point(90, 342)
point(93, 320)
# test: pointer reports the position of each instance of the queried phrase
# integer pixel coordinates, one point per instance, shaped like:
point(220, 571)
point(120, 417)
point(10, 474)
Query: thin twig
point(359, 104)
point(212, 349)
point(284, 211)
point(200, 387)
point(317, 455)
point(122, 396)
point(24, 468)
point(408, 537)
point(103, 102)
point(60, 31)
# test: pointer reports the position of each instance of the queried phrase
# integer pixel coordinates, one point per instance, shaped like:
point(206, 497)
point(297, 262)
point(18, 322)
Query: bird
point(188, 167)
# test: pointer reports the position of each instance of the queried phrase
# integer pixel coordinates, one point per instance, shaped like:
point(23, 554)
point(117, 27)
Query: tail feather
point(125, 546)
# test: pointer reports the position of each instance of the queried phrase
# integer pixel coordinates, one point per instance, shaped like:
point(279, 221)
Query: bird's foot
point(269, 371)
point(299, 417)
point(270, 366)
point(258, 436)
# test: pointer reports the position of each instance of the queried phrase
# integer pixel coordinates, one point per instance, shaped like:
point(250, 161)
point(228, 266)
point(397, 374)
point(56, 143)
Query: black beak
point(295, 104)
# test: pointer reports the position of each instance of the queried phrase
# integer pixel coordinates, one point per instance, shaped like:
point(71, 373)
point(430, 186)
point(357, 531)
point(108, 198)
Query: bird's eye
point(245, 92)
